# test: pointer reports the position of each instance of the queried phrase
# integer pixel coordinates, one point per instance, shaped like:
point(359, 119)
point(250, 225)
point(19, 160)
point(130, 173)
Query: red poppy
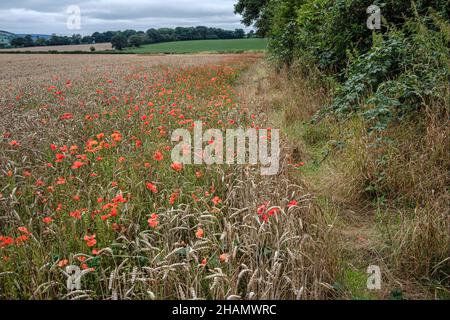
point(216, 200)
point(199, 233)
point(14, 143)
point(152, 187)
point(153, 220)
point(90, 240)
point(77, 165)
point(177, 166)
point(63, 263)
point(158, 156)
point(292, 203)
point(47, 220)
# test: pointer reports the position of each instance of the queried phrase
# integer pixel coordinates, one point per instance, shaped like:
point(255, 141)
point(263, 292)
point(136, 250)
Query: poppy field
point(86, 180)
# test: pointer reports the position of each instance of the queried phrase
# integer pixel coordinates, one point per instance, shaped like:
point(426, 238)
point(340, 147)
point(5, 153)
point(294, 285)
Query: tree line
point(130, 38)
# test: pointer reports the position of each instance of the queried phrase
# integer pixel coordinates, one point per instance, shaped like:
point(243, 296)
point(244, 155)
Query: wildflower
point(5, 241)
point(199, 233)
point(14, 143)
point(47, 220)
point(84, 266)
point(90, 240)
point(173, 197)
point(158, 156)
point(66, 116)
point(21, 239)
point(23, 230)
point(203, 263)
point(138, 143)
point(261, 209)
point(76, 214)
point(152, 187)
point(63, 263)
point(153, 220)
point(223, 257)
point(176, 166)
point(292, 203)
point(273, 211)
point(77, 165)
point(300, 164)
point(116, 136)
point(216, 200)
point(39, 183)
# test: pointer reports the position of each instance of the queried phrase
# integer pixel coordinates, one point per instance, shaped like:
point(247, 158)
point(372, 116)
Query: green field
point(228, 45)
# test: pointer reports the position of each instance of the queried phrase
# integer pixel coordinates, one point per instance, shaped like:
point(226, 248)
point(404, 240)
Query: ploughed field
point(87, 180)
point(74, 47)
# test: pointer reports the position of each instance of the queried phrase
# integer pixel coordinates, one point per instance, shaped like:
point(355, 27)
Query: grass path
point(355, 227)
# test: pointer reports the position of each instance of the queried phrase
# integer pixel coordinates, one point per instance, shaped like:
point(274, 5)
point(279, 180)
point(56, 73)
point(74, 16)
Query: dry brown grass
point(309, 270)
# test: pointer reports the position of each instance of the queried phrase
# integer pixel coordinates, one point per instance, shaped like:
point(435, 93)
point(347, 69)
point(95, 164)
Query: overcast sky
point(47, 17)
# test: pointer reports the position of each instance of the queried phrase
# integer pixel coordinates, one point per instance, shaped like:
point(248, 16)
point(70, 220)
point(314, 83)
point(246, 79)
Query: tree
point(40, 42)
point(129, 32)
point(251, 34)
point(28, 41)
point(167, 34)
point(18, 42)
point(87, 39)
point(154, 36)
point(119, 42)
point(76, 39)
point(136, 40)
point(239, 33)
point(256, 12)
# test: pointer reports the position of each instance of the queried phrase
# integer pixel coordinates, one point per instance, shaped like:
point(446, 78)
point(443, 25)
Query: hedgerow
point(381, 74)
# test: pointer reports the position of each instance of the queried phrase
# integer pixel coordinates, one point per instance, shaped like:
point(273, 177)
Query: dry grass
point(390, 200)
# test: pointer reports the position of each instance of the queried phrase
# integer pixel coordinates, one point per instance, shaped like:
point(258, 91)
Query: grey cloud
point(41, 16)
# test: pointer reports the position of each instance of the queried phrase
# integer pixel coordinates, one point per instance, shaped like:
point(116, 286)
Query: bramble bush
point(383, 74)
